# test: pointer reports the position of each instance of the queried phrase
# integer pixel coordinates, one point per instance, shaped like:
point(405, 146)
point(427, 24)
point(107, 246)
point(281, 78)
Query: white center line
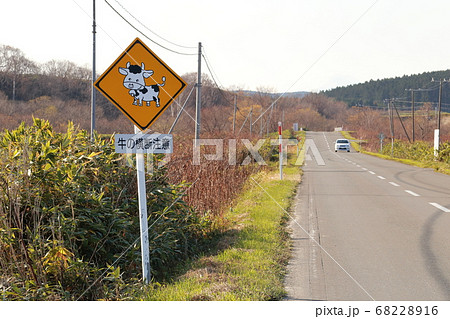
point(411, 193)
point(364, 168)
point(373, 173)
point(444, 209)
point(381, 177)
point(394, 184)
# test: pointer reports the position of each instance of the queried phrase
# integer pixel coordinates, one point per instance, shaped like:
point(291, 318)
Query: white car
point(342, 145)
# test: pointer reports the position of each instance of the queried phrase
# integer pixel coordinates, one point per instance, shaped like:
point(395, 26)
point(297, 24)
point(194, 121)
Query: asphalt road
point(368, 229)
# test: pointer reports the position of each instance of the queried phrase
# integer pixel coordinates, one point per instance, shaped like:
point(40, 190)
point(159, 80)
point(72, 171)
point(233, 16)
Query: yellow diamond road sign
point(140, 84)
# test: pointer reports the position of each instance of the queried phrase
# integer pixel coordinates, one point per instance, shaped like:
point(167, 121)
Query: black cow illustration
point(135, 76)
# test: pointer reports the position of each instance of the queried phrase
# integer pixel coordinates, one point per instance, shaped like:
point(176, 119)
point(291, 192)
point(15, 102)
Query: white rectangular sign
point(436, 142)
point(144, 143)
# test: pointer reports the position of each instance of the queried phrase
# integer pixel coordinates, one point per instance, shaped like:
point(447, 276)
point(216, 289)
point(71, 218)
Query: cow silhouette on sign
point(134, 80)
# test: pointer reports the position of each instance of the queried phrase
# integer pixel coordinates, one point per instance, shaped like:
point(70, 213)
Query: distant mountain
point(373, 93)
point(298, 94)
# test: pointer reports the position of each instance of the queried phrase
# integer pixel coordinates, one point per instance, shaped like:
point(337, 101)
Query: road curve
point(365, 228)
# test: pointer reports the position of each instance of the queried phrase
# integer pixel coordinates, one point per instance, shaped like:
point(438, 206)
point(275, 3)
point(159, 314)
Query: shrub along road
point(376, 229)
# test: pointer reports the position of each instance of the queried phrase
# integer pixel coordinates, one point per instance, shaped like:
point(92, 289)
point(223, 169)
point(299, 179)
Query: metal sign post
point(141, 144)
point(142, 198)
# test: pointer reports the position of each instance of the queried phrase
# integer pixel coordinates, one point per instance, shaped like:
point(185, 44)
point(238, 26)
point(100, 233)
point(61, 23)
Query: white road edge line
point(314, 240)
point(394, 184)
point(444, 209)
point(411, 193)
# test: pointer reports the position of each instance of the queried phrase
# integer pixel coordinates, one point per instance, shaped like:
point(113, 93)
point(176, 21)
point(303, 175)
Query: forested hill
point(373, 93)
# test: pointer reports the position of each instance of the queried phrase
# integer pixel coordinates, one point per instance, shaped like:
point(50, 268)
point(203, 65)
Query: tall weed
point(68, 211)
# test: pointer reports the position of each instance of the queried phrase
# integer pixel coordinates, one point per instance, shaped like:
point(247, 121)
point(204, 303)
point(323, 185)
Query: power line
point(210, 70)
point(320, 57)
point(214, 79)
point(212, 73)
point(418, 102)
point(142, 33)
point(148, 29)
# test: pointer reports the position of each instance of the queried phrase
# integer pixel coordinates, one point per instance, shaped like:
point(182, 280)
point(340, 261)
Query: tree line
point(60, 91)
point(374, 92)
point(22, 79)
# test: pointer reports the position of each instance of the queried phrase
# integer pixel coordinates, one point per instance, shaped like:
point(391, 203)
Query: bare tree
point(328, 107)
point(65, 69)
point(14, 63)
point(216, 119)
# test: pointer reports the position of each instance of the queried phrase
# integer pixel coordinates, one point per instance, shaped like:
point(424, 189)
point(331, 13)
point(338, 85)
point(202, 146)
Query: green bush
point(444, 152)
point(68, 214)
point(418, 151)
point(269, 152)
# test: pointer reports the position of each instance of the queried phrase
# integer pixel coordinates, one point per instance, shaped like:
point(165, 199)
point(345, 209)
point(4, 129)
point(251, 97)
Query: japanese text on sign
point(143, 143)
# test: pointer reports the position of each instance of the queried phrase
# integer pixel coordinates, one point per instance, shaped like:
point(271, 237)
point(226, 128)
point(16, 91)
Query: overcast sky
point(285, 45)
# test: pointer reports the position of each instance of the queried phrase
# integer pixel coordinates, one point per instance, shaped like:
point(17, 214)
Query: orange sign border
point(97, 83)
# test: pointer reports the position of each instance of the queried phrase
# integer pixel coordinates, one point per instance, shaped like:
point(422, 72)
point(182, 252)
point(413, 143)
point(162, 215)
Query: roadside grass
point(251, 257)
point(437, 166)
point(441, 167)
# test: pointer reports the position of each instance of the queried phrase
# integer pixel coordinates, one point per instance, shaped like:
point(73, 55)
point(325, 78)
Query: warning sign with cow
point(140, 84)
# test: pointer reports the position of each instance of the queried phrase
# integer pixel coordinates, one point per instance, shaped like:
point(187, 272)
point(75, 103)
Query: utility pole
point(234, 113)
point(280, 149)
point(412, 112)
point(261, 125)
point(401, 122)
point(269, 119)
point(14, 87)
point(251, 114)
point(93, 74)
point(199, 95)
point(391, 119)
point(413, 107)
point(437, 133)
point(441, 81)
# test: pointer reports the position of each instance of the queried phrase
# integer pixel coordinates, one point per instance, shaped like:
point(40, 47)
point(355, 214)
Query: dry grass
point(215, 183)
